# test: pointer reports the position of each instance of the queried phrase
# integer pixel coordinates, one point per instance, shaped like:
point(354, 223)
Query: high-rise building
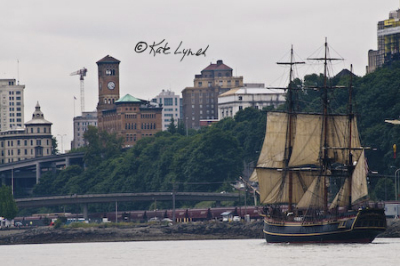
point(81, 124)
point(128, 117)
point(200, 102)
point(388, 42)
point(171, 107)
point(11, 105)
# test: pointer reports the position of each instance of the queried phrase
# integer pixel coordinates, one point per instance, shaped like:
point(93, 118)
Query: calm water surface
point(382, 252)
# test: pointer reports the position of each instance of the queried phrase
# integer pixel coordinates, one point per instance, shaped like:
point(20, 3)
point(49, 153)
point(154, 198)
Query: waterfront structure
point(200, 102)
point(250, 95)
point(11, 105)
point(32, 142)
point(81, 124)
point(171, 104)
point(388, 36)
point(128, 117)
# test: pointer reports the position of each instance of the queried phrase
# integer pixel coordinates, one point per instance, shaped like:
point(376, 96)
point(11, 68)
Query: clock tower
point(108, 74)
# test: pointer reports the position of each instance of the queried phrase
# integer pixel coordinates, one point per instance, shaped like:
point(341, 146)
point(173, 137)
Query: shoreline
point(141, 232)
point(146, 232)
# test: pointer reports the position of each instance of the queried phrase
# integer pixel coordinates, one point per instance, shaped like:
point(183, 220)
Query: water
point(205, 252)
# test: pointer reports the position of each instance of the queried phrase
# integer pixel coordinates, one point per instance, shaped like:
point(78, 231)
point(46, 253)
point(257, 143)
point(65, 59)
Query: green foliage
point(60, 222)
point(384, 189)
point(8, 207)
point(54, 145)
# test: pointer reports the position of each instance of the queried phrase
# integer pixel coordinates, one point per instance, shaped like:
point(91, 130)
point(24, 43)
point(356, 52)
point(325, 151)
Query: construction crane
point(82, 74)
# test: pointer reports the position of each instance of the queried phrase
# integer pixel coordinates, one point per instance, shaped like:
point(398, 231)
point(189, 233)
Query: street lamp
point(62, 141)
point(396, 183)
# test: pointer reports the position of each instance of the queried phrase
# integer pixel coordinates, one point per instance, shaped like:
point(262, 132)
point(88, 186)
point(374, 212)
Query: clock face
point(111, 85)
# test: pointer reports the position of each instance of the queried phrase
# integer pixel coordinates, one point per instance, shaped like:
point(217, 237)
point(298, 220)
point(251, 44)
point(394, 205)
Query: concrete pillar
point(38, 172)
point(53, 168)
point(85, 211)
point(67, 162)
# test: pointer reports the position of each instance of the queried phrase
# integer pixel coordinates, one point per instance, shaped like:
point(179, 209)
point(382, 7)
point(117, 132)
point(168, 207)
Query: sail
point(359, 186)
point(268, 180)
point(273, 185)
point(313, 197)
point(273, 150)
point(307, 140)
point(338, 139)
point(253, 177)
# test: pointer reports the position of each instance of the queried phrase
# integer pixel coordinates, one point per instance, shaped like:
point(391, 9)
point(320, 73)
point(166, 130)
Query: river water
point(383, 251)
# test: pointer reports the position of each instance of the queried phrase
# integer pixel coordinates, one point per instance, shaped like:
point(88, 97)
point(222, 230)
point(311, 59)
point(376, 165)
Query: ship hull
point(358, 227)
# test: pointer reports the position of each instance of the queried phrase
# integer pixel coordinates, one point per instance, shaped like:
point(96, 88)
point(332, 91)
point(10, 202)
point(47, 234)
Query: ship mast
point(325, 157)
point(351, 117)
point(291, 113)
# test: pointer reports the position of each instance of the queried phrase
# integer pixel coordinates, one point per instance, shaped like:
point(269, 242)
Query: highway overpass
point(84, 200)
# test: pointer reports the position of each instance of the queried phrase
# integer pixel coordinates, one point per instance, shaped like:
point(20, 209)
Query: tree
point(55, 146)
point(172, 127)
point(8, 207)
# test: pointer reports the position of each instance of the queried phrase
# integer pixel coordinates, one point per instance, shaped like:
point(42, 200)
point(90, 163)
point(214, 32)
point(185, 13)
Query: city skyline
point(45, 41)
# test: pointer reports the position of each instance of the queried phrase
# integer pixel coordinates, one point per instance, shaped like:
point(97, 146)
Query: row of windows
point(201, 106)
point(110, 72)
point(130, 116)
point(10, 143)
point(18, 98)
point(130, 109)
point(143, 126)
point(39, 131)
point(208, 100)
point(109, 101)
point(11, 92)
point(169, 101)
point(220, 83)
point(87, 123)
point(25, 152)
point(148, 116)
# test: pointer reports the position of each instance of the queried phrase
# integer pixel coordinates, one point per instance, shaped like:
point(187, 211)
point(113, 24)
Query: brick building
point(200, 102)
point(129, 117)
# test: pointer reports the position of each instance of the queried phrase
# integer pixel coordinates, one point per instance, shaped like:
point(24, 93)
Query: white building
point(81, 124)
point(251, 95)
point(171, 104)
point(32, 142)
point(11, 105)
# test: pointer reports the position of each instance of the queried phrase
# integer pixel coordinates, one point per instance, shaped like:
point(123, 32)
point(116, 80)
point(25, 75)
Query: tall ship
point(312, 174)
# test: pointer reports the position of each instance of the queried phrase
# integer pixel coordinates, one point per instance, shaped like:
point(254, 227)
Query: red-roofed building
point(200, 102)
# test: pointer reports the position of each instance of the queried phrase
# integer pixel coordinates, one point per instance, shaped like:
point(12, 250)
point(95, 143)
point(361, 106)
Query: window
point(110, 72)
point(168, 101)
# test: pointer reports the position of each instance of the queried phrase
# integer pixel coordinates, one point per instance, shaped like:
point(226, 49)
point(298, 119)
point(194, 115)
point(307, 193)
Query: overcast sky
point(51, 39)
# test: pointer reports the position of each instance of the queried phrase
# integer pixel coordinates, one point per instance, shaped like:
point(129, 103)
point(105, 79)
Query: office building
point(200, 102)
point(11, 105)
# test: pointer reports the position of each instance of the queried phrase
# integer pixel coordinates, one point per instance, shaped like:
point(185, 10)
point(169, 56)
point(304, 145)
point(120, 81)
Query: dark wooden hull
point(356, 227)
